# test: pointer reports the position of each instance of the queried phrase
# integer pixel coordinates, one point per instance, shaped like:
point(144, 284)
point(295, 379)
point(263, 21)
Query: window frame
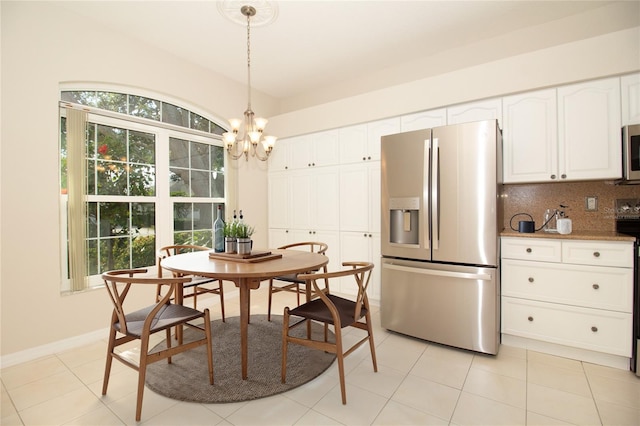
point(164, 202)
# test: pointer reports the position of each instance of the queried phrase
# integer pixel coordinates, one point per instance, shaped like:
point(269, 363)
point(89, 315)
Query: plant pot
point(244, 245)
point(230, 244)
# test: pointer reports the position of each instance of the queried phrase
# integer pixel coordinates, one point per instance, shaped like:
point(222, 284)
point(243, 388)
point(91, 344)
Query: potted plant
point(230, 237)
point(244, 232)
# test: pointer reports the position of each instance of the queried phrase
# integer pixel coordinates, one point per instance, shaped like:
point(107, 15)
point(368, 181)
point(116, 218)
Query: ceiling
point(336, 48)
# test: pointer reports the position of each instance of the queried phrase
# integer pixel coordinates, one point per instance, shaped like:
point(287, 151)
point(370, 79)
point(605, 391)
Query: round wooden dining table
point(247, 274)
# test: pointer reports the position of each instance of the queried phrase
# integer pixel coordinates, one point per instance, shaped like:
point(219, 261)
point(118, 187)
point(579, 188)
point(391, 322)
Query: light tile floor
point(418, 383)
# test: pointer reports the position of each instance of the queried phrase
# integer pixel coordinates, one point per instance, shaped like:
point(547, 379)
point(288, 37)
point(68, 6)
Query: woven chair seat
point(317, 310)
point(168, 316)
point(291, 278)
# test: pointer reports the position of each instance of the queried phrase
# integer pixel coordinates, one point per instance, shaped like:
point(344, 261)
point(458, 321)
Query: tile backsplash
point(536, 198)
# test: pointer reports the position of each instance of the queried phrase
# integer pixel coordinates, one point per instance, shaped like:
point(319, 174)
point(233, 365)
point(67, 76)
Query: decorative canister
point(244, 245)
point(230, 244)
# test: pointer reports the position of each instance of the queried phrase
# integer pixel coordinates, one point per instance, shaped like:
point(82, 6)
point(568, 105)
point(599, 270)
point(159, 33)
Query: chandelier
point(248, 142)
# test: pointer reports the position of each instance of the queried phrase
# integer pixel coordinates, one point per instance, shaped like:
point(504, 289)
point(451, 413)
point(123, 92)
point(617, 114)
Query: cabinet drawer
point(601, 331)
point(578, 285)
point(604, 253)
point(531, 249)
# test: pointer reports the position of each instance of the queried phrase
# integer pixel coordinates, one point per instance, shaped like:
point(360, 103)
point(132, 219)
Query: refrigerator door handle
point(435, 194)
point(426, 217)
point(433, 272)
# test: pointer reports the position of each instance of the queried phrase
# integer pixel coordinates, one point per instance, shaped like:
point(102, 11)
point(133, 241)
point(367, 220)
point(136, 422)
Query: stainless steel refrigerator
point(441, 213)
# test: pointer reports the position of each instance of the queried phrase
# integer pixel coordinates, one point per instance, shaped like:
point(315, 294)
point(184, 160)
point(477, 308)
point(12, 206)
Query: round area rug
point(186, 378)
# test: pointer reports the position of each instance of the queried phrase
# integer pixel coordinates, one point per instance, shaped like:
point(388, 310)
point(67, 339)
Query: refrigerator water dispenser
point(404, 220)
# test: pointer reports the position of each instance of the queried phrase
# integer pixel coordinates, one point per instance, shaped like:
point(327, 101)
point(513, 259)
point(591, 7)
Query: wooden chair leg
point(285, 333)
point(340, 356)
point(207, 330)
point(195, 297)
point(142, 372)
point(372, 346)
point(221, 292)
point(107, 367)
point(269, 300)
point(168, 343)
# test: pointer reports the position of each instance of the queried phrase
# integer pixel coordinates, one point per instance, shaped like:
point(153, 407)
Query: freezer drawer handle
point(484, 277)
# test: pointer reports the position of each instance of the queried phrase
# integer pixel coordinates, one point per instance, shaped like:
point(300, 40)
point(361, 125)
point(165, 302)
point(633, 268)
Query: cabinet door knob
point(364, 158)
point(369, 158)
point(530, 319)
point(553, 176)
point(594, 329)
point(529, 250)
point(563, 176)
point(531, 279)
point(596, 254)
point(596, 286)
point(286, 167)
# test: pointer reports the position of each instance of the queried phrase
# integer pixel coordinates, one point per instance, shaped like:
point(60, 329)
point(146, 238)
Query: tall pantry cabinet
point(303, 191)
point(360, 197)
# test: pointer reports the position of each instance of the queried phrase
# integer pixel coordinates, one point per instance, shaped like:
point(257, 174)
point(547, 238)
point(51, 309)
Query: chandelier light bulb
point(269, 142)
point(261, 123)
point(229, 139)
point(255, 137)
point(235, 124)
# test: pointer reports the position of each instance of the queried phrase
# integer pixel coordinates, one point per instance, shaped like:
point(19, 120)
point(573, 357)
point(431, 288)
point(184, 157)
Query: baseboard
point(608, 360)
point(52, 348)
point(70, 343)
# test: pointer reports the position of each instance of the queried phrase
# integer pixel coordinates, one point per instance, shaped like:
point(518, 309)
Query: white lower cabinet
point(360, 246)
point(592, 329)
point(573, 293)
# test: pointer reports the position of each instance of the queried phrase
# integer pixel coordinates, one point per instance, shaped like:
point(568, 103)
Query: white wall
point(42, 47)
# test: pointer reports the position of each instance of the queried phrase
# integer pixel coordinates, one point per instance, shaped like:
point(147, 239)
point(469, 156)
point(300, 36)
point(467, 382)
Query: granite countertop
point(575, 235)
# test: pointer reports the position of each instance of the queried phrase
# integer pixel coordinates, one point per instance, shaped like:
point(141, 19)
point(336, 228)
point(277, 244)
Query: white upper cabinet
point(353, 143)
point(280, 158)
point(530, 137)
point(571, 133)
point(318, 149)
point(377, 129)
point(589, 122)
point(326, 148)
point(423, 120)
point(476, 111)
point(630, 93)
point(362, 142)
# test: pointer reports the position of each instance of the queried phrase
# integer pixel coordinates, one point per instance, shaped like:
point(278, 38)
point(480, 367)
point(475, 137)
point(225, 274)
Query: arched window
point(152, 173)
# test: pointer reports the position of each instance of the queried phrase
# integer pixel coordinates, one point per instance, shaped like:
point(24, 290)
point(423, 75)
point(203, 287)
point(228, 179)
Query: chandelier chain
point(249, 59)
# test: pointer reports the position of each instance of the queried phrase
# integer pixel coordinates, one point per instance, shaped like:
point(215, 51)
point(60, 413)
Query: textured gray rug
point(185, 378)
